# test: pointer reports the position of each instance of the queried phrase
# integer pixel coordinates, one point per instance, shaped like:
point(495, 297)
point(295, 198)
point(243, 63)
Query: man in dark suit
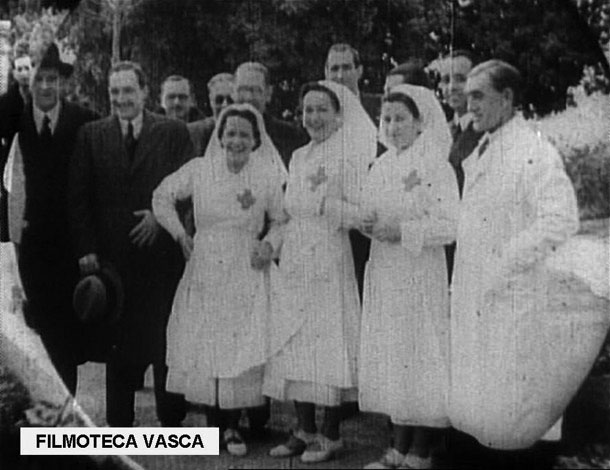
point(12, 104)
point(117, 164)
point(454, 69)
point(252, 86)
point(49, 273)
point(343, 66)
point(411, 72)
point(177, 99)
point(220, 93)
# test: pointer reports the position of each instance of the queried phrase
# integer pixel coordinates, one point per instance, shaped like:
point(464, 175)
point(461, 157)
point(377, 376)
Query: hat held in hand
point(98, 297)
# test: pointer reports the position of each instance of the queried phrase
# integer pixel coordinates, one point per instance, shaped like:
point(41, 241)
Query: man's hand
point(147, 230)
point(187, 244)
point(88, 264)
point(261, 255)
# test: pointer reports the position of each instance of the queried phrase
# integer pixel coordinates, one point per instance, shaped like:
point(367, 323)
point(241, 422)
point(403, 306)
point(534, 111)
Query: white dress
point(316, 283)
point(403, 362)
point(215, 336)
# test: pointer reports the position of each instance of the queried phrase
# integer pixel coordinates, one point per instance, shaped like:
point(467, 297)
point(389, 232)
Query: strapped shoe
point(321, 450)
point(391, 459)
point(295, 445)
point(235, 443)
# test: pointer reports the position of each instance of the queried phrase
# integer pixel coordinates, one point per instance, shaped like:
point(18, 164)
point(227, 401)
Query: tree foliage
point(548, 40)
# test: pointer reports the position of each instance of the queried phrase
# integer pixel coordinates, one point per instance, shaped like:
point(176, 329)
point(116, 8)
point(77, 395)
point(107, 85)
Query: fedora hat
point(98, 297)
point(52, 60)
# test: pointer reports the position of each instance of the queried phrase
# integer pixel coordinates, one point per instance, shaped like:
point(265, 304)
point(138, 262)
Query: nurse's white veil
point(358, 133)
point(266, 149)
point(435, 140)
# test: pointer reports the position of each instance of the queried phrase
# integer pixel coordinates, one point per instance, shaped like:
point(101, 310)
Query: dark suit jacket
point(105, 190)
point(201, 133)
point(285, 136)
point(11, 109)
point(48, 269)
point(462, 147)
point(194, 113)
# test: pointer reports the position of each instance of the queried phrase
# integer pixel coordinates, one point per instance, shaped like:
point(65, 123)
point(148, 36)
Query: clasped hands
point(261, 255)
point(384, 230)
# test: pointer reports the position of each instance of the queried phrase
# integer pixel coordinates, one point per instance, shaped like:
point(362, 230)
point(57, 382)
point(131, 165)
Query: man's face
point(250, 87)
point(489, 107)
point(340, 68)
point(21, 70)
point(221, 96)
point(454, 71)
point(45, 88)
point(176, 99)
point(126, 96)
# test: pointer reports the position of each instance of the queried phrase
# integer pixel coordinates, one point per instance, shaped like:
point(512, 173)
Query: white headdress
point(358, 132)
point(265, 150)
point(435, 140)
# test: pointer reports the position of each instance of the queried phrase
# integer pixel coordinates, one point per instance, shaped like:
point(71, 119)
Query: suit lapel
point(144, 141)
point(114, 137)
point(28, 126)
point(63, 119)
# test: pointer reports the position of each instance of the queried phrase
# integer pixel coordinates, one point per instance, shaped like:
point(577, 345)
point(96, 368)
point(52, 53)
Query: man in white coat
point(518, 206)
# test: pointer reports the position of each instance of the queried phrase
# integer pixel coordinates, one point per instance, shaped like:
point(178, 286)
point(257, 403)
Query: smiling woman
point(216, 335)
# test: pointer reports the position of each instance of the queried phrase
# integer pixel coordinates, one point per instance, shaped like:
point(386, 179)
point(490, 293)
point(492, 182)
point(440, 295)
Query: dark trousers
point(64, 363)
point(122, 381)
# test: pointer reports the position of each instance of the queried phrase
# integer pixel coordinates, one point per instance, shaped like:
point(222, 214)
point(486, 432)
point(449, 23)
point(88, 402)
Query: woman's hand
point(387, 231)
point(261, 255)
point(187, 244)
point(368, 222)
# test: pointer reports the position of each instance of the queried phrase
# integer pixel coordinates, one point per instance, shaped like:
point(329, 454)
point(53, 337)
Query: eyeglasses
point(219, 100)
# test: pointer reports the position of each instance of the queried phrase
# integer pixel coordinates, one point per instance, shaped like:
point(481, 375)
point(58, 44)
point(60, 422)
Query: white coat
point(512, 368)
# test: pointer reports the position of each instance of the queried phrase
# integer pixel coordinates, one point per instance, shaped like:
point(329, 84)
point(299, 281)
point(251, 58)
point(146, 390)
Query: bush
point(580, 133)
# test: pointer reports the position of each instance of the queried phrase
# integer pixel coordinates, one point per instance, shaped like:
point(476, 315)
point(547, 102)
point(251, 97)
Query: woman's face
point(238, 140)
point(401, 128)
point(319, 117)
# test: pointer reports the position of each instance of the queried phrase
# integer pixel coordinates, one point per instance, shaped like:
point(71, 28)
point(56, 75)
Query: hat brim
point(64, 69)
point(113, 294)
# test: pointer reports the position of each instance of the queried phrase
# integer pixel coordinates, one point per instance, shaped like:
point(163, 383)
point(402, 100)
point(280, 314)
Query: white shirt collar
point(136, 122)
point(463, 121)
point(53, 116)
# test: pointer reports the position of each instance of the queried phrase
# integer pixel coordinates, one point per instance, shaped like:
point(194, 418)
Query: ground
point(365, 435)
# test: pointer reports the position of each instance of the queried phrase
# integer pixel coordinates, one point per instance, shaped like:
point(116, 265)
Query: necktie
point(45, 130)
point(130, 142)
point(456, 130)
point(483, 146)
